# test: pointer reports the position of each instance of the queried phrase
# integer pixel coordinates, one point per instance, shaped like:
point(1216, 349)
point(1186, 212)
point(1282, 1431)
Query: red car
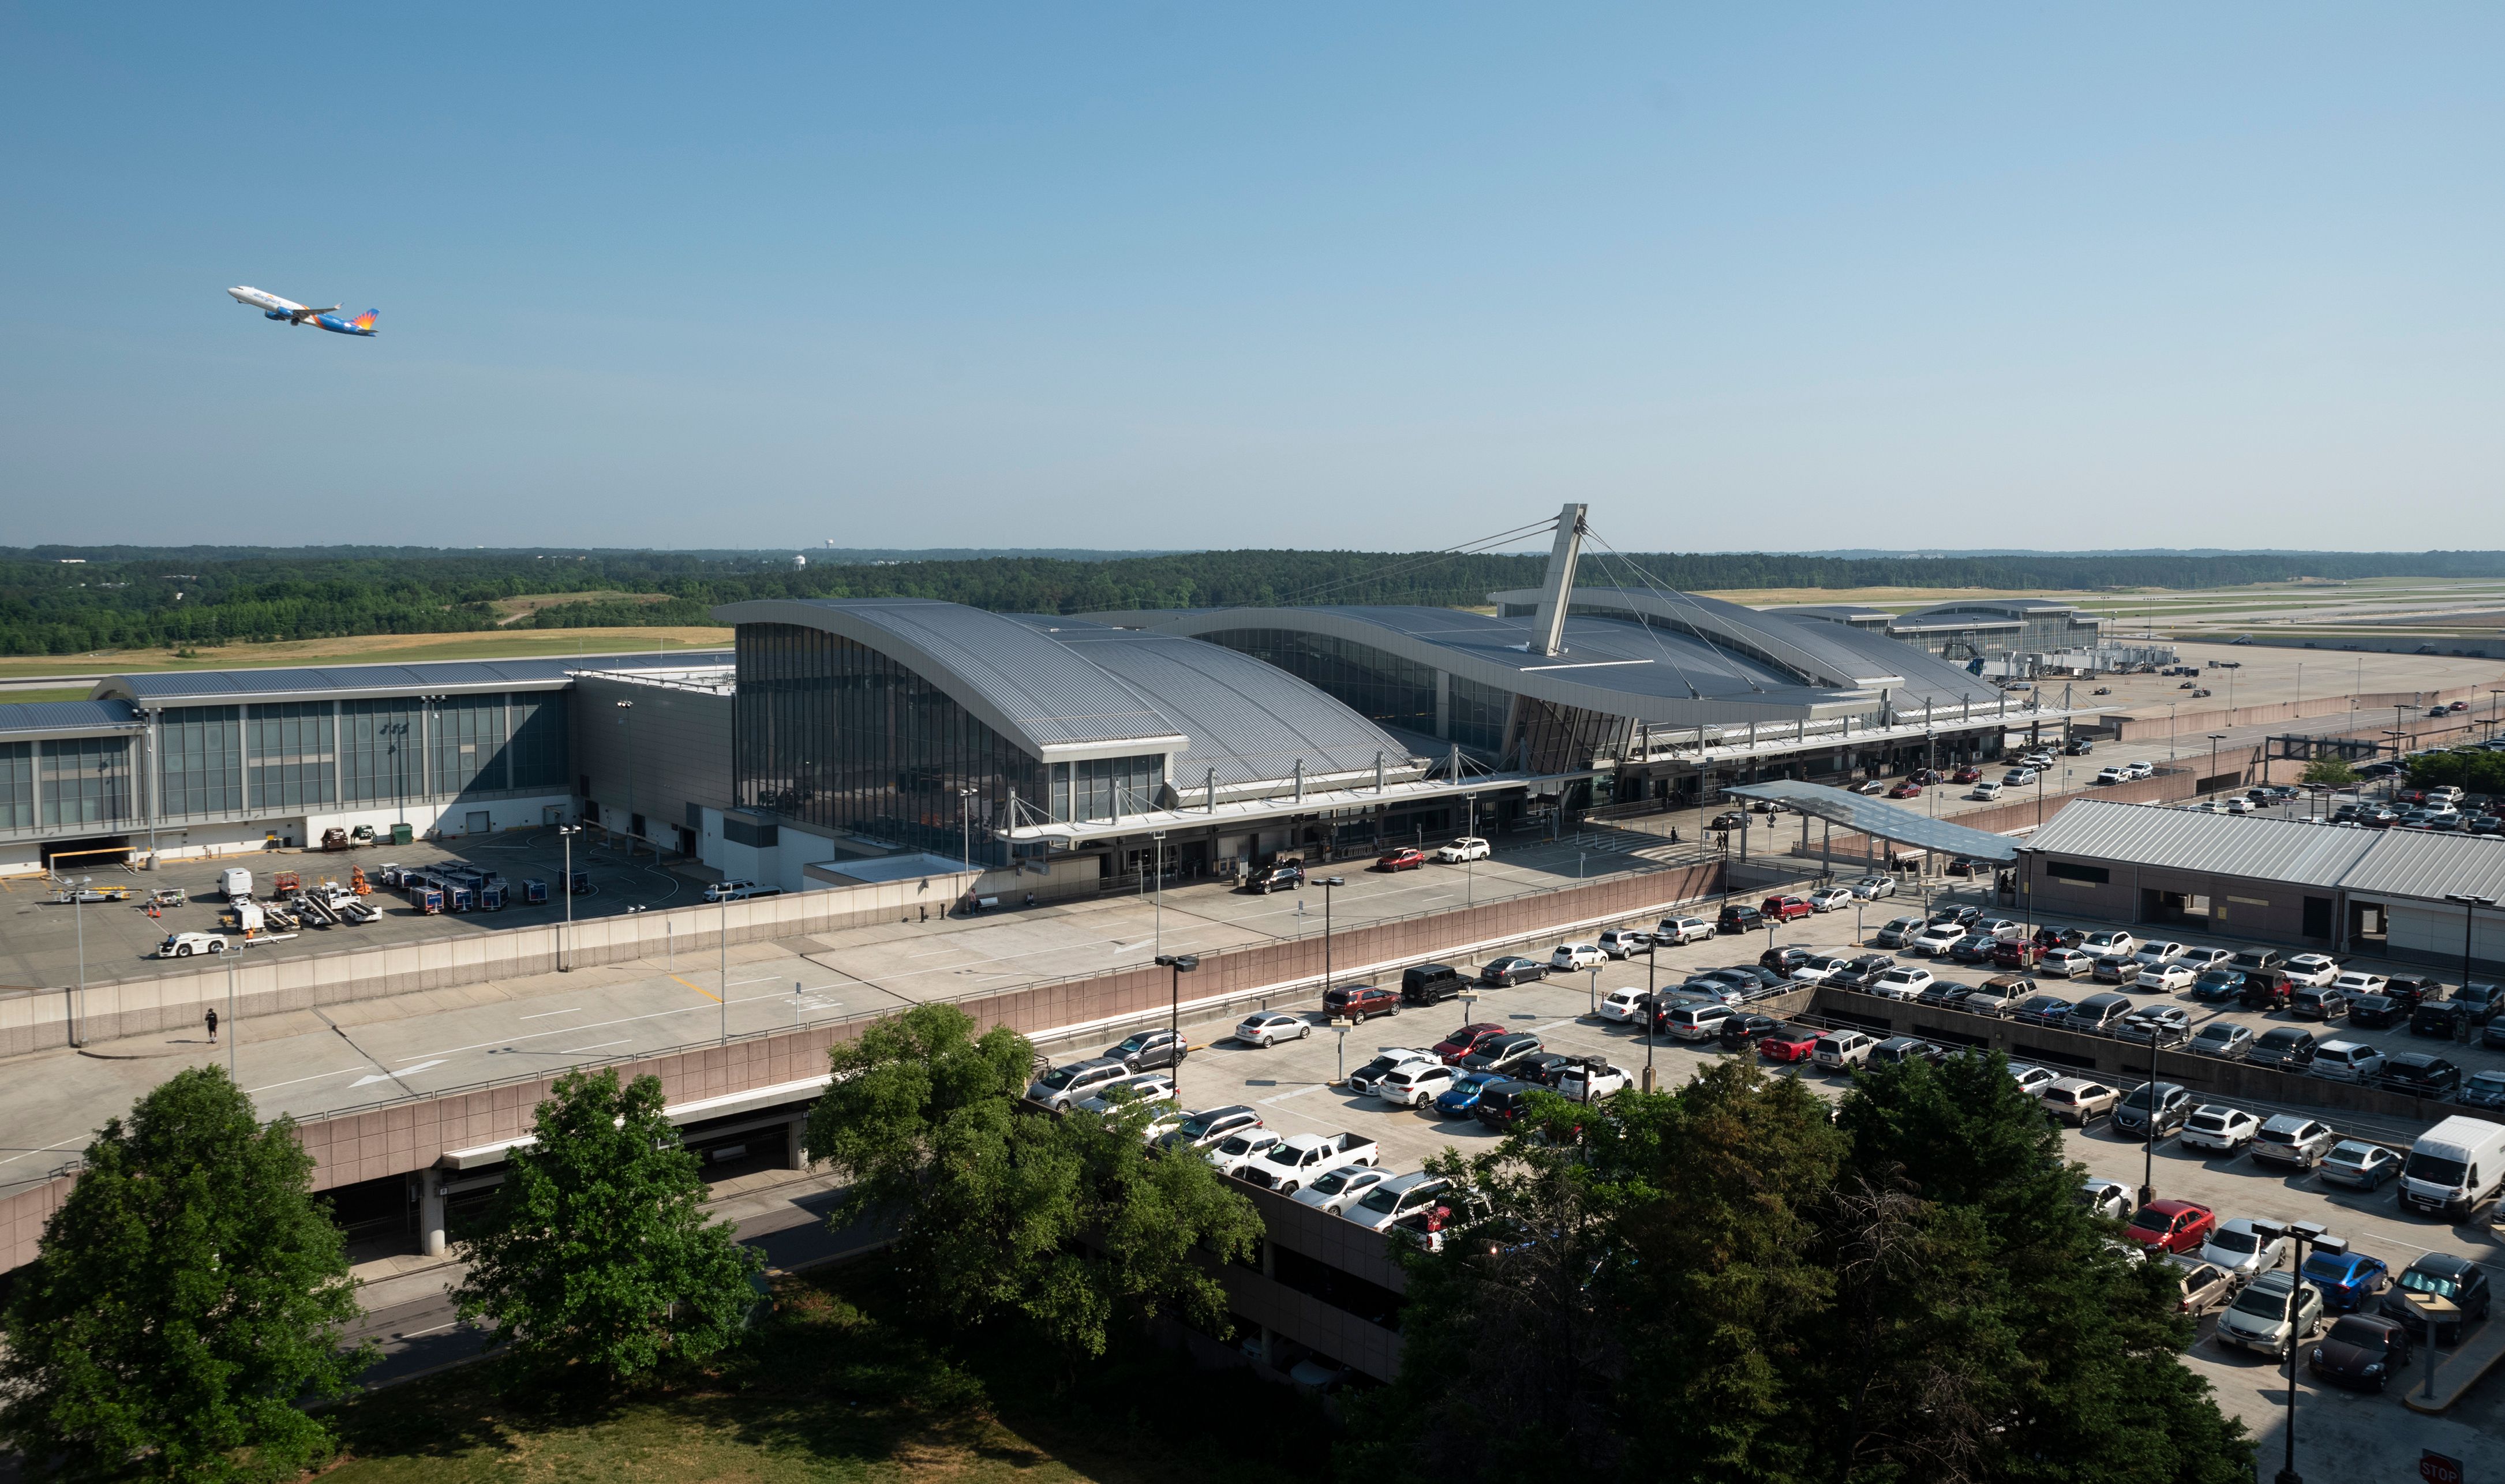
point(2171, 1226)
point(1966, 775)
point(1785, 908)
point(1906, 790)
point(1361, 1003)
point(1787, 1043)
point(1406, 858)
point(1461, 1042)
point(2020, 954)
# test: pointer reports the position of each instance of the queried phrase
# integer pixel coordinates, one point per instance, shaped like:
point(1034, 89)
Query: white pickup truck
point(1287, 1165)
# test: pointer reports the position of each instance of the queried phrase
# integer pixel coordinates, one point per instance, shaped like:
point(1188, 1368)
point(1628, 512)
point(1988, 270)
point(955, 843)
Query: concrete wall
point(1259, 1297)
point(2238, 906)
point(670, 750)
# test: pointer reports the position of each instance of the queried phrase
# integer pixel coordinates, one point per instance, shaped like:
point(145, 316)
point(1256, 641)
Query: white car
point(182, 945)
point(2039, 759)
point(1572, 956)
point(2112, 774)
point(2098, 944)
point(732, 889)
point(2314, 971)
point(1935, 939)
point(1400, 1195)
point(1817, 969)
point(2258, 1317)
point(2217, 1126)
point(1271, 1027)
point(2165, 978)
point(1604, 1079)
point(1626, 1006)
point(2158, 951)
point(1827, 899)
point(2031, 1079)
point(2107, 1198)
point(1902, 983)
point(1234, 1152)
point(2356, 982)
point(2346, 1061)
point(1679, 931)
point(1872, 888)
point(2237, 804)
point(1987, 790)
point(1468, 847)
point(2246, 1248)
point(2018, 778)
point(1841, 1049)
point(2141, 769)
point(1338, 1189)
point(2203, 959)
point(1415, 1083)
point(1142, 1087)
point(1365, 1080)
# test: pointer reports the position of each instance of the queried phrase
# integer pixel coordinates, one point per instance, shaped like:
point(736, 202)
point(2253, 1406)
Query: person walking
point(213, 1027)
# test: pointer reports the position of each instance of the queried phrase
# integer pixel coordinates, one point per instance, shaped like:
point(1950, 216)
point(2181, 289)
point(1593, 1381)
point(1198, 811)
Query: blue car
point(1461, 1099)
point(2348, 1280)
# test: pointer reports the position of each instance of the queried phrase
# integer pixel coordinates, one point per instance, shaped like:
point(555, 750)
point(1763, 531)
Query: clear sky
point(1742, 276)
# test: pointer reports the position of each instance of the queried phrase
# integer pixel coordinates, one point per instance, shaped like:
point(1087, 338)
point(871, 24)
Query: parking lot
point(2345, 1435)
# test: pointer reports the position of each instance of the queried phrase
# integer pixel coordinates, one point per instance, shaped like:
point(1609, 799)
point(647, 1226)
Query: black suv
point(1740, 917)
point(1273, 878)
point(2421, 1076)
point(1432, 983)
point(2440, 1018)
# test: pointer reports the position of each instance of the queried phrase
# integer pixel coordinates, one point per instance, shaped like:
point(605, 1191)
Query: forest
point(59, 600)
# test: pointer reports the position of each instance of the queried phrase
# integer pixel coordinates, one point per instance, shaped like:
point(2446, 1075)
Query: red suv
point(1785, 908)
point(1360, 1001)
point(1406, 858)
point(1967, 775)
point(2017, 953)
point(2171, 1226)
point(1461, 1042)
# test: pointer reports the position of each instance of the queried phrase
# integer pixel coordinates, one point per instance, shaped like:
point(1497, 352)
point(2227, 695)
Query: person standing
point(212, 1018)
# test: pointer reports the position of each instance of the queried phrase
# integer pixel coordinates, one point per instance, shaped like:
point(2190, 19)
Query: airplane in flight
point(274, 308)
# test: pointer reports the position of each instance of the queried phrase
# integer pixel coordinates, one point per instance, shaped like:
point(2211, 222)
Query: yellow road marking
point(699, 989)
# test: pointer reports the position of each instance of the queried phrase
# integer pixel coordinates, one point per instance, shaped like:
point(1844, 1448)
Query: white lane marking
point(410, 1334)
point(544, 1014)
point(315, 1078)
point(595, 1045)
point(768, 980)
point(1298, 1093)
point(420, 1067)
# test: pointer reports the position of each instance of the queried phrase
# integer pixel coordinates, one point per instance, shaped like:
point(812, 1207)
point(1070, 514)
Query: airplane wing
point(301, 313)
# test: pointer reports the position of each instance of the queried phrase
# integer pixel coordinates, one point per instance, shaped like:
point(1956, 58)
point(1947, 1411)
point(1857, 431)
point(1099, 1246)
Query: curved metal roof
point(1251, 722)
point(211, 688)
point(64, 717)
point(1017, 680)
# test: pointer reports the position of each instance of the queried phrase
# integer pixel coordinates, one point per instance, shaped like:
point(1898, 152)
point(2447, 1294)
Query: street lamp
point(1652, 951)
point(2148, 1130)
point(78, 914)
point(1157, 938)
point(628, 707)
point(1181, 964)
point(566, 834)
point(2470, 905)
point(1469, 859)
point(1327, 883)
point(2215, 737)
point(2304, 1232)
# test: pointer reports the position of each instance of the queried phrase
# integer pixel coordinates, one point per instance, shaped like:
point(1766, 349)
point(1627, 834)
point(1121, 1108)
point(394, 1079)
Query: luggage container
point(578, 883)
point(427, 899)
point(491, 899)
point(461, 899)
point(534, 892)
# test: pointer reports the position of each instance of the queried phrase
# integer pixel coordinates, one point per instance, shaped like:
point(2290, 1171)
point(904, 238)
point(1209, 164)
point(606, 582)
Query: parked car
point(1679, 931)
point(1468, 847)
point(1999, 995)
point(2077, 1101)
point(1236, 1150)
point(2292, 1139)
point(1740, 1032)
point(2164, 1025)
point(2355, 982)
point(2152, 1111)
point(1061, 1086)
point(2218, 1127)
point(2325, 1005)
point(1590, 1079)
point(2348, 1061)
point(1626, 943)
point(2347, 1278)
point(2030, 1079)
point(1785, 959)
point(2440, 1020)
point(1788, 1043)
point(2109, 1199)
point(2315, 969)
point(1839, 1049)
point(2218, 986)
point(1973, 948)
point(2043, 1010)
point(1406, 858)
point(2440, 1274)
point(1502, 1053)
point(1740, 917)
point(1459, 1098)
point(2246, 1248)
point(1935, 939)
point(1827, 899)
point(1268, 1028)
point(1512, 970)
point(2485, 1089)
point(1785, 908)
point(1626, 1006)
point(1365, 1080)
point(1213, 1125)
point(1396, 1197)
point(1288, 1164)
point(1359, 1003)
point(2165, 978)
point(2097, 1012)
point(1569, 957)
point(2421, 1076)
point(1413, 1084)
point(2111, 775)
point(2101, 944)
point(2224, 1040)
point(2267, 992)
point(1896, 933)
point(2066, 963)
point(1861, 969)
point(2260, 1318)
point(1275, 878)
point(1470, 1038)
point(2365, 1351)
point(1335, 1190)
point(1872, 888)
point(2170, 1226)
point(2357, 1164)
point(1149, 1048)
point(1902, 983)
point(1906, 790)
point(2285, 1046)
point(2205, 1285)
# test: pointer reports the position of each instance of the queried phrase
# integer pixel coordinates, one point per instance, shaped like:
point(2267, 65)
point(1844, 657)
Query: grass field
point(373, 648)
point(842, 1386)
point(516, 608)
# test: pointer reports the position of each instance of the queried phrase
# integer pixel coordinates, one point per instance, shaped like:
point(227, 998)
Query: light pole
point(2148, 1130)
point(1181, 964)
point(1327, 883)
point(628, 707)
point(1158, 931)
point(1469, 858)
point(2215, 737)
point(78, 914)
point(2304, 1232)
point(1653, 949)
point(2470, 905)
point(566, 834)
point(2492, 693)
point(725, 969)
point(233, 1032)
point(965, 827)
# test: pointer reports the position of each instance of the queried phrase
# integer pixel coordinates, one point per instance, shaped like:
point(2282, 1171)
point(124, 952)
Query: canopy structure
point(1881, 820)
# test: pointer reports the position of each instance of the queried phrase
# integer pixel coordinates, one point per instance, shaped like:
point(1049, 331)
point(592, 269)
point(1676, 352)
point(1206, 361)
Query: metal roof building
point(2391, 892)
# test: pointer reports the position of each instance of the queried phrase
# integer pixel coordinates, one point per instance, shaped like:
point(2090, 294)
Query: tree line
point(125, 598)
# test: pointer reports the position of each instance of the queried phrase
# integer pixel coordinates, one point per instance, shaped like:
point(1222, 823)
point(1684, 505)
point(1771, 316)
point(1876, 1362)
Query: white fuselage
point(259, 301)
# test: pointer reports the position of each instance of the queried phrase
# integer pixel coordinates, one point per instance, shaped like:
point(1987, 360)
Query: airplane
point(274, 308)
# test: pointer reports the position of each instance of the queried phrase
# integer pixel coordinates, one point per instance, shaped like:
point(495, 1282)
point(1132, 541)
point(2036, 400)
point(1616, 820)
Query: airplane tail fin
point(366, 320)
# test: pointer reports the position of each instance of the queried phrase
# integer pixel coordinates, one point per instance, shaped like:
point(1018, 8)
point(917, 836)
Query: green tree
point(185, 1300)
point(2330, 772)
point(596, 1252)
point(1066, 1223)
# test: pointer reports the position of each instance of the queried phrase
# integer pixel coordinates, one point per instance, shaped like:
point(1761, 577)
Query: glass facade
point(466, 734)
point(1565, 739)
point(1479, 712)
point(1107, 788)
point(17, 785)
point(379, 762)
point(85, 781)
point(831, 732)
point(1379, 686)
point(538, 752)
point(199, 753)
point(292, 757)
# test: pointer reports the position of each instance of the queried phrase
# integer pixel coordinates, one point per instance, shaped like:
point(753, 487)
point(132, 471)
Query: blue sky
point(1165, 275)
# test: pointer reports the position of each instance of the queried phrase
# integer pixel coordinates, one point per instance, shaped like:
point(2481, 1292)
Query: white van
point(236, 882)
point(2453, 1167)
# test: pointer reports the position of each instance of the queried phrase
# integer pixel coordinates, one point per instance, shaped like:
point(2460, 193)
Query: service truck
point(1285, 1166)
